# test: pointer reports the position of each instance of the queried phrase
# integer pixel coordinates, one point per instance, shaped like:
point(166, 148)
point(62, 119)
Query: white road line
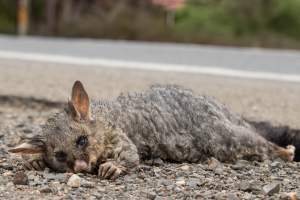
point(209, 70)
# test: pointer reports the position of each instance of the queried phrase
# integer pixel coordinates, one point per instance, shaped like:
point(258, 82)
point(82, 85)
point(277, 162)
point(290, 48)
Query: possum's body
point(166, 122)
point(174, 124)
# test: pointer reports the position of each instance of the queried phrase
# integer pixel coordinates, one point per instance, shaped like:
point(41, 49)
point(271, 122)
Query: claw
point(27, 166)
point(37, 165)
point(104, 169)
point(109, 170)
point(42, 164)
point(116, 174)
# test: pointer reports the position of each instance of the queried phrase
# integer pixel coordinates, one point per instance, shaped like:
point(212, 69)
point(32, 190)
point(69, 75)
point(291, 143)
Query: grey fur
point(173, 124)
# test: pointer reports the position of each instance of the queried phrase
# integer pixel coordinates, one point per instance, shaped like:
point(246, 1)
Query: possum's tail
point(280, 135)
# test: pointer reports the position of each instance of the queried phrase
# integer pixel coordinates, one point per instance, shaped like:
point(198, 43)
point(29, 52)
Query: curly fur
point(172, 123)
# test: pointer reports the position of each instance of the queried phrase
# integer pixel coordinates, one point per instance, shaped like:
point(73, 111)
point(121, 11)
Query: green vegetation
point(255, 22)
point(7, 16)
point(269, 23)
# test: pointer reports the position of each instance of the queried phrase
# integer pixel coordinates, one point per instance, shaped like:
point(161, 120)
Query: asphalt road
point(244, 59)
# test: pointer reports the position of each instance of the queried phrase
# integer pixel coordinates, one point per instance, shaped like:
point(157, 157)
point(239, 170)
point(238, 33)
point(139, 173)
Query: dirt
point(20, 117)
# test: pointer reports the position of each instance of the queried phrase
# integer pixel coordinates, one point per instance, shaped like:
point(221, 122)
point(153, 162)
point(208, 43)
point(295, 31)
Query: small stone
point(248, 196)
point(185, 167)
point(8, 173)
point(193, 182)
point(27, 130)
point(177, 189)
point(101, 189)
point(220, 196)
point(20, 178)
point(275, 165)
point(46, 190)
point(272, 188)
point(74, 181)
point(87, 184)
point(249, 186)
point(232, 196)
point(240, 165)
point(180, 182)
point(245, 186)
point(157, 162)
point(219, 170)
point(9, 184)
point(151, 195)
point(165, 182)
point(213, 164)
point(6, 166)
point(57, 177)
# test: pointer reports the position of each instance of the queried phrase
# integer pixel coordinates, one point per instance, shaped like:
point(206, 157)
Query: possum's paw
point(38, 165)
point(33, 163)
point(291, 152)
point(110, 170)
point(287, 154)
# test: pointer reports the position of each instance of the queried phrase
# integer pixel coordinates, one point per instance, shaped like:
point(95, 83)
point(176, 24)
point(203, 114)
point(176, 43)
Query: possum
point(169, 122)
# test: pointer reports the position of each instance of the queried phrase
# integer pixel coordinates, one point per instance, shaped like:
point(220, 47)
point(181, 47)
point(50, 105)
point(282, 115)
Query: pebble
point(219, 170)
point(6, 166)
point(151, 195)
point(46, 190)
point(180, 182)
point(275, 164)
point(185, 168)
point(177, 189)
point(10, 184)
point(74, 181)
point(55, 176)
point(213, 164)
point(240, 165)
point(220, 196)
point(193, 183)
point(8, 173)
point(20, 178)
point(232, 196)
point(87, 184)
point(248, 186)
point(272, 188)
point(157, 162)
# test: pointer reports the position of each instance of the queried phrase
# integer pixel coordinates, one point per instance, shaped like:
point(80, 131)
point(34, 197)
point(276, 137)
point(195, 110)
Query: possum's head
point(68, 142)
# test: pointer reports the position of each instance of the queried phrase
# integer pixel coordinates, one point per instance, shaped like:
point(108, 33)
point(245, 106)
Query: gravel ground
point(21, 115)
point(155, 179)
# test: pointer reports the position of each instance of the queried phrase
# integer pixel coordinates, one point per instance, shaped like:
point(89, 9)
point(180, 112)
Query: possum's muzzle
point(81, 166)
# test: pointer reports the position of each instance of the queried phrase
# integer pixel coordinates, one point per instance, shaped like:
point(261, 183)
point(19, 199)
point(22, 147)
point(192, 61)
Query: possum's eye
point(82, 141)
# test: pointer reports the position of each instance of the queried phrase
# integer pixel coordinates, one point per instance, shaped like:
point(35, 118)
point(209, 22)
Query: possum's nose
point(80, 166)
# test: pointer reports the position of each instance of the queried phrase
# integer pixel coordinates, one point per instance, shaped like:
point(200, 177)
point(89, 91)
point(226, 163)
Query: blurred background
point(263, 23)
point(243, 52)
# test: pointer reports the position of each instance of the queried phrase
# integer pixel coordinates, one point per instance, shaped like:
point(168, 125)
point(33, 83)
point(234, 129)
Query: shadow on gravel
point(29, 102)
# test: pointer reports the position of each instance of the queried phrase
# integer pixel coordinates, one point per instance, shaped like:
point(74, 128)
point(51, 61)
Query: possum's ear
point(33, 146)
point(80, 104)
